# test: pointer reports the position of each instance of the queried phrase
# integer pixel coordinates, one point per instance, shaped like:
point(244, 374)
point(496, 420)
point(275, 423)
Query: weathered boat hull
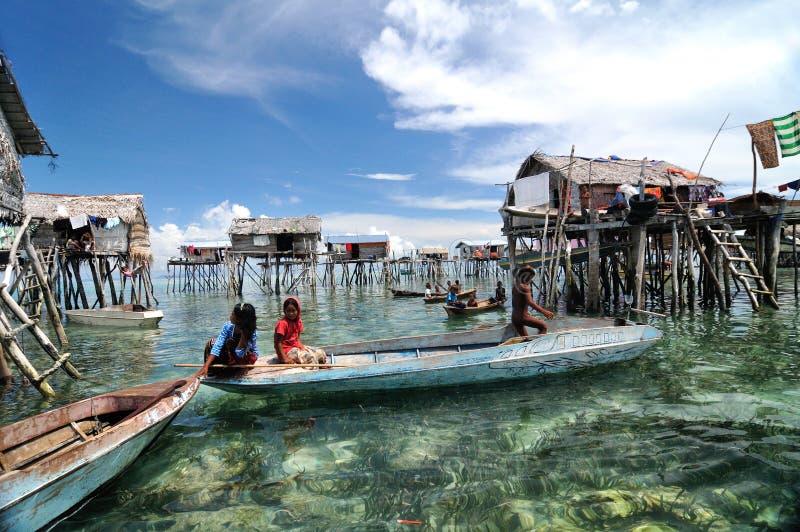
point(443, 297)
point(483, 357)
point(116, 318)
point(35, 495)
point(407, 293)
point(483, 306)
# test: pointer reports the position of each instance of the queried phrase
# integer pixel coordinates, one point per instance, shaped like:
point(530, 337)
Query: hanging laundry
point(763, 135)
point(788, 130)
point(794, 185)
point(190, 250)
point(684, 173)
point(111, 223)
point(78, 221)
point(655, 191)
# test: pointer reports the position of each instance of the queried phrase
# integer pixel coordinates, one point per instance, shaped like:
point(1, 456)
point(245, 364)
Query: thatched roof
point(47, 206)
point(608, 171)
point(273, 226)
point(27, 137)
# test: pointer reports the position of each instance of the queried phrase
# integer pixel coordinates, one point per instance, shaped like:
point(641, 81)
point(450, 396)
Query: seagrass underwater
point(701, 431)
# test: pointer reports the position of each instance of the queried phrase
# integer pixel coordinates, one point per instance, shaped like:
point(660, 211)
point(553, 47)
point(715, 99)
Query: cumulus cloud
point(653, 80)
point(215, 221)
point(386, 176)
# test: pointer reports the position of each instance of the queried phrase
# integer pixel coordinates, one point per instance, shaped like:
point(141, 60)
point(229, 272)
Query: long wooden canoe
point(468, 357)
point(407, 293)
point(443, 297)
point(483, 306)
point(52, 461)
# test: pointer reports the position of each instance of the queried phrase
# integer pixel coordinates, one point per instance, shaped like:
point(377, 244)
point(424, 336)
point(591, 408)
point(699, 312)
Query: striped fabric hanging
point(788, 130)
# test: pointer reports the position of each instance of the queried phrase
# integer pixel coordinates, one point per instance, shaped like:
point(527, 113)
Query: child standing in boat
point(236, 343)
point(520, 301)
point(288, 347)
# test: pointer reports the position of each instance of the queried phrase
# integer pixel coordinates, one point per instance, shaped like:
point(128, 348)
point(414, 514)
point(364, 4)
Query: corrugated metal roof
point(29, 140)
point(356, 239)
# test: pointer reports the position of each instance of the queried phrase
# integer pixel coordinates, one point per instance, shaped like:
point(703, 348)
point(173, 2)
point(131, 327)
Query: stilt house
point(109, 233)
point(432, 253)
point(358, 247)
point(197, 252)
point(539, 184)
point(292, 241)
point(25, 286)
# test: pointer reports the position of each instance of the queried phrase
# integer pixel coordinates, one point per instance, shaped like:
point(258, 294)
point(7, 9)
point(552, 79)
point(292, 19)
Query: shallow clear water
point(702, 432)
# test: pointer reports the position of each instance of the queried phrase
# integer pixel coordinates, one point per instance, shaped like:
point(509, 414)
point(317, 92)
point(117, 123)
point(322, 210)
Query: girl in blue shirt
point(236, 343)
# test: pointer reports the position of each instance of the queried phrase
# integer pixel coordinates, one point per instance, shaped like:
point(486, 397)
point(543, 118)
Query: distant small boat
point(447, 359)
point(407, 293)
point(443, 297)
point(483, 306)
point(52, 461)
point(117, 316)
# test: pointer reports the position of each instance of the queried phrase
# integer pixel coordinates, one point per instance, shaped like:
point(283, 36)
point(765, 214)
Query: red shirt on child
point(291, 332)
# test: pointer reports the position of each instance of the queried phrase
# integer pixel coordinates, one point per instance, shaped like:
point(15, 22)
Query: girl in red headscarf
point(288, 347)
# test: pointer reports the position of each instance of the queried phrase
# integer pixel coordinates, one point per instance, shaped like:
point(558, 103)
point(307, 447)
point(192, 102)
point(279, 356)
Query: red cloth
point(348, 247)
point(291, 332)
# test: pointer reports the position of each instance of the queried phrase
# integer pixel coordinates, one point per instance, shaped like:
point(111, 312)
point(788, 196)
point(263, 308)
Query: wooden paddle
point(248, 366)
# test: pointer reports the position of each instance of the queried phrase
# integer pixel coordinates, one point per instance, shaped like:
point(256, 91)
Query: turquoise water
point(701, 433)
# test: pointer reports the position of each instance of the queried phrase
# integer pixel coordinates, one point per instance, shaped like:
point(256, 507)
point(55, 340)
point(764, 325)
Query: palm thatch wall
point(129, 208)
point(263, 236)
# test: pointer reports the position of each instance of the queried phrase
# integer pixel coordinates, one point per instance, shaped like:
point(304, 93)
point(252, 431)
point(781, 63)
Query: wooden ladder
point(30, 296)
point(735, 256)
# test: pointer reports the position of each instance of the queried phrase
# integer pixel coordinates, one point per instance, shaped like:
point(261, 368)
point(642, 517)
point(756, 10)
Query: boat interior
point(33, 439)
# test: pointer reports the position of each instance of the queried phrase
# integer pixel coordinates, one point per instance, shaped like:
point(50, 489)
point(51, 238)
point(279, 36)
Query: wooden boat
point(407, 293)
point(443, 297)
point(483, 306)
point(117, 316)
point(577, 256)
point(52, 461)
point(469, 357)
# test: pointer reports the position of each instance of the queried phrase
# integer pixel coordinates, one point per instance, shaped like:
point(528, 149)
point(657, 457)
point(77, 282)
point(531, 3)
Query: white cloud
point(166, 239)
point(628, 6)
point(248, 48)
point(278, 201)
point(447, 203)
point(386, 176)
point(655, 85)
point(411, 233)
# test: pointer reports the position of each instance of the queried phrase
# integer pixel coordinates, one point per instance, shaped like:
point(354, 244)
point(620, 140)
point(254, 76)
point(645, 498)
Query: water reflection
point(703, 432)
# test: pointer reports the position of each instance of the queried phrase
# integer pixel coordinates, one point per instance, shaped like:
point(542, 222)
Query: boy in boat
point(520, 301)
point(236, 343)
point(428, 290)
point(452, 298)
point(499, 294)
point(472, 302)
point(288, 347)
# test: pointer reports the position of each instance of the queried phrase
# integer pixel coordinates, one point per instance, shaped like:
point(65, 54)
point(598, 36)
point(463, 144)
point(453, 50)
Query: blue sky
point(396, 116)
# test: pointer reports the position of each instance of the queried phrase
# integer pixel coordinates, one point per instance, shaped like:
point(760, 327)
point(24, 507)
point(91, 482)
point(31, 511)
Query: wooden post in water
point(637, 250)
point(674, 267)
point(773, 248)
point(593, 271)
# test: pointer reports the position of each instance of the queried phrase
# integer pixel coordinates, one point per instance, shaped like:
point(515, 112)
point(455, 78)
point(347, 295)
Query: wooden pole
point(755, 174)
point(47, 294)
point(593, 295)
point(773, 249)
point(674, 258)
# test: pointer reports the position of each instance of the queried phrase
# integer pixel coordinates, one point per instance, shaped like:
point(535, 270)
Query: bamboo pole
point(47, 294)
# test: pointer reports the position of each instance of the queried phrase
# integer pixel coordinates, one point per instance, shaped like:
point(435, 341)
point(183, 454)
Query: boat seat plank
point(77, 429)
point(43, 445)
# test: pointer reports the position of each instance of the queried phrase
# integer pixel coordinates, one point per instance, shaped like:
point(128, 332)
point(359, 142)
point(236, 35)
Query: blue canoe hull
point(451, 359)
